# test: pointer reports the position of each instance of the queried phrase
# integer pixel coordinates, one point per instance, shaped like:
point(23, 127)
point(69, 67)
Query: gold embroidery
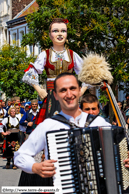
point(2, 114)
point(9, 126)
point(59, 67)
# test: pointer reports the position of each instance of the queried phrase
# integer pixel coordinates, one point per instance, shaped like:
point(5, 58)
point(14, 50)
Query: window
point(14, 39)
point(20, 37)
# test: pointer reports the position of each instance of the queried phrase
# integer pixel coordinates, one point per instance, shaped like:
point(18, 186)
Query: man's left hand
point(126, 161)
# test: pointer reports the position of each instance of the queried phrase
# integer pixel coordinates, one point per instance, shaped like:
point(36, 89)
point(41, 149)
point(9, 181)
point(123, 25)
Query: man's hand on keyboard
point(44, 169)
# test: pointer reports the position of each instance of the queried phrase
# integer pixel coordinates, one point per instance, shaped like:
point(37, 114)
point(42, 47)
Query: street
point(8, 177)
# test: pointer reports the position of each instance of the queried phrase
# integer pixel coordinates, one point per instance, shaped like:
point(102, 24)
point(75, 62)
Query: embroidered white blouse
point(31, 76)
point(13, 121)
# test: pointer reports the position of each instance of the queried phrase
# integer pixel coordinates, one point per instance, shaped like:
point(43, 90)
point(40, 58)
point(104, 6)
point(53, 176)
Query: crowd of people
point(16, 123)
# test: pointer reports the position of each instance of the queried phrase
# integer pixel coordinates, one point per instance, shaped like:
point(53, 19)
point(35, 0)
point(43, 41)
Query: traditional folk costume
point(11, 142)
point(54, 63)
point(21, 128)
point(2, 116)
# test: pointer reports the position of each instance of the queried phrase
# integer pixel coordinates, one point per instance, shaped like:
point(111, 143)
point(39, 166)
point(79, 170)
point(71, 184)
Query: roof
point(16, 21)
point(30, 8)
point(20, 18)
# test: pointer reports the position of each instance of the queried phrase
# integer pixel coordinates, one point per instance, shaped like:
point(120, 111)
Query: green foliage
point(13, 61)
point(103, 97)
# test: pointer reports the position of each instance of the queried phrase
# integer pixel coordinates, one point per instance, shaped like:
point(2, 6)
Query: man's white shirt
point(24, 157)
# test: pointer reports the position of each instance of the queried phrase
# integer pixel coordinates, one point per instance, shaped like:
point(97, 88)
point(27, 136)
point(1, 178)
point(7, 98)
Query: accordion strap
point(90, 118)
point(62, 119)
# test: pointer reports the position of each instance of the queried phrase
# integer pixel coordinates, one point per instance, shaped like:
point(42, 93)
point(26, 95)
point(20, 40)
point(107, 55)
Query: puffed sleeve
point(2, 124)
point(77, 63)
point(31, 73)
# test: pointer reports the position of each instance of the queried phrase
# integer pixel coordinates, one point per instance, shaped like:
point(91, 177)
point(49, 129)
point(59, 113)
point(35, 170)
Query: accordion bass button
point(84, 171)
point(91, 185)
point(88, 166)
point(80, 168)
point(86, 190)
point(82, 186)
point(90, 176)
point(81, 177)
point(85, 181)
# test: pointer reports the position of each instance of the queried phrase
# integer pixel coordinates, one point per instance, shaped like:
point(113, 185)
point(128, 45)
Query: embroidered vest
point(9, 126)
point(2, 114)
point(55, 68)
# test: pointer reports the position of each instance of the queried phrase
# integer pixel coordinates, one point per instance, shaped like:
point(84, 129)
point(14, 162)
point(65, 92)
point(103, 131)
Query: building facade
point(8, 10)
point(17, 27)
point(5, 15)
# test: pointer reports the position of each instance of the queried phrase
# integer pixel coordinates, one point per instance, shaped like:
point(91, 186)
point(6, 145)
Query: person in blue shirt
point(17, 101)
point(29, 117)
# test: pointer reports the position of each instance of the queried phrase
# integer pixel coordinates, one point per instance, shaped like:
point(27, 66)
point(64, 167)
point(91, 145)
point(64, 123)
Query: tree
point(98, 26)
point(13, 61)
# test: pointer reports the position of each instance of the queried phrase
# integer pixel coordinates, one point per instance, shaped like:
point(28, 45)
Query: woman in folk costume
point(55, 60)
point(11, 136)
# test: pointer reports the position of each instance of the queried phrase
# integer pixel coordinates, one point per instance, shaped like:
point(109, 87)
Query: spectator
point(18, 102)
point(3, 105)
point(27, 107)
point(120, 107)
point(106, 110)
point(29, 117)
point(3, 112)
point(127, 122)
point(127, 108)
point(22, 128)
point(125, 102)
point(13, 101)
point(18, 114)
point(90, 105)
point(11, 136)
point(9, 102)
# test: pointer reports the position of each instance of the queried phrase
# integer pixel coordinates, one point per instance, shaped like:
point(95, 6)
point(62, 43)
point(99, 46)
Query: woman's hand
point(6, 133)
point(83, 89)
point(41, 92)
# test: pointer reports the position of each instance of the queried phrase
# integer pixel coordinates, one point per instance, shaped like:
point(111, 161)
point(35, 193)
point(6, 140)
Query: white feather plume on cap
point(95, 70)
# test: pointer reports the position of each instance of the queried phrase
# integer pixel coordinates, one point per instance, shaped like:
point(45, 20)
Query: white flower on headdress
point(55, 113)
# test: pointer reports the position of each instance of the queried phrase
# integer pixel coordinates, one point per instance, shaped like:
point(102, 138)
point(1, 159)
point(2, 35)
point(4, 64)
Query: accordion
point(89, 160)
